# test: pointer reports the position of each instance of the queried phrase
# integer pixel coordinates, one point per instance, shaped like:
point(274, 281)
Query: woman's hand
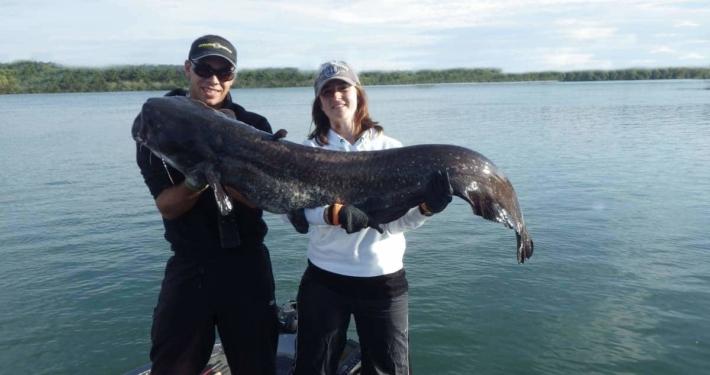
point(437, 195)
point(350, 218)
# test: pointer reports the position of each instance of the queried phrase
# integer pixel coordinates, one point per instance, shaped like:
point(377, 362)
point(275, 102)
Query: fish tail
point(525, 246)
point(482, 205)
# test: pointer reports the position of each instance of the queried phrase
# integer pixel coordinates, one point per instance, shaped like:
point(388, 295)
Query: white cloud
point(663, 49)
point(429, 14)
point(581, 30)
point(642, 62)
point(692, 56)
point(373, 34)
point(700, 42)
point(571, 60)
point(593, 33)
point(666, 35)
point(686, 24)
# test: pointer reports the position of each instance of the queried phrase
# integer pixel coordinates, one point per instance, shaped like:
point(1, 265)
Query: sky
point(512, 35)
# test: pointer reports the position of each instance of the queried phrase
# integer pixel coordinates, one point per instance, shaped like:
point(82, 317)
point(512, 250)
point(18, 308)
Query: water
point(613, 179)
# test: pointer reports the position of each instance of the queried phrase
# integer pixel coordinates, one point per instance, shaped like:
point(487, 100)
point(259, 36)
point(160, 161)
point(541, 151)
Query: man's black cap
point(213, 45)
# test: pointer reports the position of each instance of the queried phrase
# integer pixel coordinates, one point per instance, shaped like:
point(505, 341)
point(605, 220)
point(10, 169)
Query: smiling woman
point(339, 103)
point(355, 265)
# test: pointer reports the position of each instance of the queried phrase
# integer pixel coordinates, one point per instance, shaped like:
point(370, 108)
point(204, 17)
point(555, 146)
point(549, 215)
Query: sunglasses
point(206, 71)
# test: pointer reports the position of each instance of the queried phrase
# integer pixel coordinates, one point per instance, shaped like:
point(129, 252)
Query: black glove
point(353, 219)
point(438, 193)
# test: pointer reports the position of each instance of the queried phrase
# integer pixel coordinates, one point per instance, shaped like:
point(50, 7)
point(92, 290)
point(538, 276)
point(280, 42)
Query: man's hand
point(437, 195)
point(352, 219)
point(237, 196)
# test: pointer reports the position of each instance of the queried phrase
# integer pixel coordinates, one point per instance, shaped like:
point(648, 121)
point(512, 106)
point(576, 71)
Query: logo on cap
point(214, 45)
point(333, 69)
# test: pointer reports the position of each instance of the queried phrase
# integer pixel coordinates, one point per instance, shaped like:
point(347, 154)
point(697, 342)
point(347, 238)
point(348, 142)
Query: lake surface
point(613, 178)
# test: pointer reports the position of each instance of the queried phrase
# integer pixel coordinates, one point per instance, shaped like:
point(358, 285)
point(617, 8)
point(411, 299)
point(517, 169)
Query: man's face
point(210, 79)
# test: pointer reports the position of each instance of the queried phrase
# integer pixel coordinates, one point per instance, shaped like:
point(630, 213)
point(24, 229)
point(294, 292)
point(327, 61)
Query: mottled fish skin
point(283, 177)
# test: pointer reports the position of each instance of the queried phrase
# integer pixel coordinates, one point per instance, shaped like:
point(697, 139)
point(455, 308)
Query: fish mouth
point(138, 131)
point(140, 137)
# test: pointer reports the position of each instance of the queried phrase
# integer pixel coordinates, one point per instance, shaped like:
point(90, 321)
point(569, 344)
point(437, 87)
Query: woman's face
point(339, 101)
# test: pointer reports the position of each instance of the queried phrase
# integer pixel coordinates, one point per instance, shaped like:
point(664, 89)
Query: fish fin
point(223, 202)
point(281, 133)
point(486, 207)
point(298, 220)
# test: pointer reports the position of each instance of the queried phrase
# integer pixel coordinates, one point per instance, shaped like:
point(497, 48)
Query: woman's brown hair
point(362, 117)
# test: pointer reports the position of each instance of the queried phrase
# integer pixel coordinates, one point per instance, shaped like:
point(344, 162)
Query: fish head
point(170, 128)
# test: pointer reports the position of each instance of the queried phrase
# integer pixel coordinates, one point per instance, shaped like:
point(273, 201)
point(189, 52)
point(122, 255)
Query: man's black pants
point(233, 291)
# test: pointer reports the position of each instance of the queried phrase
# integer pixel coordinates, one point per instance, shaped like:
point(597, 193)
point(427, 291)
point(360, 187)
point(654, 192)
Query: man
point(220, 273)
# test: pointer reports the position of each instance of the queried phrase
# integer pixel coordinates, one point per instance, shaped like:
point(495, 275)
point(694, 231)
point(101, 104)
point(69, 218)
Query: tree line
point(42, 77)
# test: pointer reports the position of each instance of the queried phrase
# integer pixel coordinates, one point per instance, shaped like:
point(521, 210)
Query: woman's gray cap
point(334, 70)
point(213, 45)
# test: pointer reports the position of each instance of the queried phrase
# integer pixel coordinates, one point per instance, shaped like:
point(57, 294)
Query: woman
point(354, 265)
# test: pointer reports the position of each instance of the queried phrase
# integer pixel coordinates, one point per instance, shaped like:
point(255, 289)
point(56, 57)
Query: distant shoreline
point(25, 77)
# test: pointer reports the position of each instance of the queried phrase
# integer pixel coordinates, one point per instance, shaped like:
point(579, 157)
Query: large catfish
point(283, 177)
